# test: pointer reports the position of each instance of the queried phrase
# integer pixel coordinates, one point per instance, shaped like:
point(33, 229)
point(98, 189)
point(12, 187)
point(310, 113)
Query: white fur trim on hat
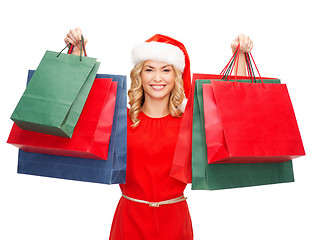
point(161, 52)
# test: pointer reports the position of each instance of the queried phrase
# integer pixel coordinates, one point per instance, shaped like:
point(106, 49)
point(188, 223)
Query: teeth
point(158, 87)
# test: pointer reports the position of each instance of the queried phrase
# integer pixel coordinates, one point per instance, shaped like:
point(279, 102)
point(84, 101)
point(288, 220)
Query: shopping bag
point(181, 168)
point(224, 176)
point(111, 171)
point(54, 99)
point(250, 123)
point(182, 160)
point(92, 133)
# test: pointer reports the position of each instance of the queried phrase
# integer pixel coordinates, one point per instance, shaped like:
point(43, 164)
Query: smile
point(158, 87)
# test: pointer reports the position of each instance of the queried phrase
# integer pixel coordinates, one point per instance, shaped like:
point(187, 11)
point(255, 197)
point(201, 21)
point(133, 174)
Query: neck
point(156, 107)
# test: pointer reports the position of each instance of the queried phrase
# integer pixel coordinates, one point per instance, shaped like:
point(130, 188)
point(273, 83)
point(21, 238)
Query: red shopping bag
point(250, 123)
point(92, 132)
point(181, 164)
point(182, 161)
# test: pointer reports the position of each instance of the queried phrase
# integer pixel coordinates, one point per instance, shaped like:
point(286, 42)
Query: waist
point(156, 204)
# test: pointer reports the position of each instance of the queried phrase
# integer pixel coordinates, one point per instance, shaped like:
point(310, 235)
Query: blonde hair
point(136, 94)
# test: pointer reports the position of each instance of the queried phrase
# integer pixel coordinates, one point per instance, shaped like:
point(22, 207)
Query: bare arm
point(246, 45)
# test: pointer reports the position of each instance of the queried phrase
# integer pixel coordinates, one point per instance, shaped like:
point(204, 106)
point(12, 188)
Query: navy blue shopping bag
point(110, 171)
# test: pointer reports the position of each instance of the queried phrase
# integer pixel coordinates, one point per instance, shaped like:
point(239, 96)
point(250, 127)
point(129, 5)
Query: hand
point(245, 42)
point(74, 37)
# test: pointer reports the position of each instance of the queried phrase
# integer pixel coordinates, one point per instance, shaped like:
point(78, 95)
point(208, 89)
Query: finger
point(251, 47)
point(244, 43)
point(68, 40)
point(75, 36)
point(71, 37)
point(78, 31)
point(234, 45)
point(76, 45)
point(247, 40)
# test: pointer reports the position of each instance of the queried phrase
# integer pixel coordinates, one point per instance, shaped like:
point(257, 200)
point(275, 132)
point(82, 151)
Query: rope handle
point(229, 65)
point(250, 67)
point(228, 69)
point(71, 47)
point(256, 67)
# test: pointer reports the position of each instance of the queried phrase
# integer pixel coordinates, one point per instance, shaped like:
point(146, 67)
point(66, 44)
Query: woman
point(152, 205)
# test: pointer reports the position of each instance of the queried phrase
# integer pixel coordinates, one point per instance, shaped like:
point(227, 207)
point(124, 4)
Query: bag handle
point(250, 68)
point(227, 68)
point(227, 71)
point(71, 47)
point(250, 55)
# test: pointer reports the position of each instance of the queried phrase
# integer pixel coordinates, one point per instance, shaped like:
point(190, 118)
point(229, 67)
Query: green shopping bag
point(56, 94)
point(223, 176)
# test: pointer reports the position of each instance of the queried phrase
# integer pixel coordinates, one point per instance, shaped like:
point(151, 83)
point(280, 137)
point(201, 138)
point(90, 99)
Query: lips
point(158, 87)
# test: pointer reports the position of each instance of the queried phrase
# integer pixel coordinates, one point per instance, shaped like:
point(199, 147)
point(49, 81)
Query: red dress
point(150, 151)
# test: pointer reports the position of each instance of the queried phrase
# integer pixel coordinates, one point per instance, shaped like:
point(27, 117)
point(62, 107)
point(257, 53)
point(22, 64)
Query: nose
point(158, 76)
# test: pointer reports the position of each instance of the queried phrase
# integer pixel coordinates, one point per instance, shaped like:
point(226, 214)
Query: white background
point(45, 208)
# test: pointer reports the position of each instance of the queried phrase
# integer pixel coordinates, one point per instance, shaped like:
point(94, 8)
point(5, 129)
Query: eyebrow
point(153, 67)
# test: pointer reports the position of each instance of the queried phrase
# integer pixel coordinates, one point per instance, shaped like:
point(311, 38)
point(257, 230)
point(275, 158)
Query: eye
point(167, 70)
point(148, 70)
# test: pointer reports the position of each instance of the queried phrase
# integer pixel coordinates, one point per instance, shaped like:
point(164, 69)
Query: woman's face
point(157, 79)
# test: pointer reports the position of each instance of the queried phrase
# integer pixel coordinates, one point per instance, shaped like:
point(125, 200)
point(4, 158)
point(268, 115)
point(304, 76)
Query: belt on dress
point(157, 204)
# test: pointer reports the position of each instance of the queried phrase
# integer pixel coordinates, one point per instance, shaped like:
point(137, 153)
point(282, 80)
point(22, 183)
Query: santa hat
point(165, 49)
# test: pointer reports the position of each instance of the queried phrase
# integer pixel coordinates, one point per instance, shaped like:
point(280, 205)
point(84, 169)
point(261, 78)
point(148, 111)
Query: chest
point(152, 139)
